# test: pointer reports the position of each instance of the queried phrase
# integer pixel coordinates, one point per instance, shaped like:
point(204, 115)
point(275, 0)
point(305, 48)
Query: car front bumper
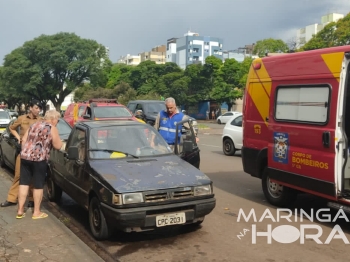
point(144, 218)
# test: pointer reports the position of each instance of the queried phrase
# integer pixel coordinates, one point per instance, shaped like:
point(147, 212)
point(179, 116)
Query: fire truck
point(296, 125)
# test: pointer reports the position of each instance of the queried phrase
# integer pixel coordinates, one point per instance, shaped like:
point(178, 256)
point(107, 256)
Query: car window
point(111, 112)
point(81, 111)
point(132, 107)
point(139, 107)
point(4, 115)
point(108, 142)
point(228, 114)
point(63, 127)
point(155, 107)
point(78, 140)
point(237, 121)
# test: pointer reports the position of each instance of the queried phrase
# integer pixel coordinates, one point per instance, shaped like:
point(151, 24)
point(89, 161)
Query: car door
point(192, 156)
point(301, 146)
point(75, 169)
point(9, 146)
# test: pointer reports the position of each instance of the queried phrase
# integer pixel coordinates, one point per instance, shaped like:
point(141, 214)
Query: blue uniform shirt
point(167, 126)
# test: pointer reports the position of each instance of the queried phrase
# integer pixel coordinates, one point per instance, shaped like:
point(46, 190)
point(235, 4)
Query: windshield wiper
point(114, 151)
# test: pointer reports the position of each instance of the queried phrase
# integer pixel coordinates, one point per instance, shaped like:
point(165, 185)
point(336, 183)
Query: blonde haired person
point(36, 146)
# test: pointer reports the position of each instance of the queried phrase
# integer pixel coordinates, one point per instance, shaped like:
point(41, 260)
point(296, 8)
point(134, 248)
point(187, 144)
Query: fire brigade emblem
point(281, 146)
point(164, 120)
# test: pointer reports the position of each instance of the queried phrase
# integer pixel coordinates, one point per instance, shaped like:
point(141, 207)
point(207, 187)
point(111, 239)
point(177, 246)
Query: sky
point(135, 26)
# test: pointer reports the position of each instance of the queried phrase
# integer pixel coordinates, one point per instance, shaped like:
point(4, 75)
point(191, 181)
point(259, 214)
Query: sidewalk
point(31, 240)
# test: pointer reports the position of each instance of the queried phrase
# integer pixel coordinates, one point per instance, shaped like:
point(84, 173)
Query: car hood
point(131, 175)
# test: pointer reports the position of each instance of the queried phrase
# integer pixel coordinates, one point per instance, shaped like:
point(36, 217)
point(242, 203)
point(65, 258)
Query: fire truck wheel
point(277, 194)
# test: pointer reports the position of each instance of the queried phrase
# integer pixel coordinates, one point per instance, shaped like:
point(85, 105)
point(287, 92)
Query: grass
point(202, 126)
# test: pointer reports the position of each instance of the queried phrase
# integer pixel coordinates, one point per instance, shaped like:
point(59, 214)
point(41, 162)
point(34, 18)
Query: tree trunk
point(229, 106)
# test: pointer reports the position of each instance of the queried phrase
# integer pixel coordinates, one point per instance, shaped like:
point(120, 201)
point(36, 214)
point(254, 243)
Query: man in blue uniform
point(166, 121)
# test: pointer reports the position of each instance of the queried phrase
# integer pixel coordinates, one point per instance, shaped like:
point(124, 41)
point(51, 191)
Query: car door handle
point(266, 119)
point(326, 138)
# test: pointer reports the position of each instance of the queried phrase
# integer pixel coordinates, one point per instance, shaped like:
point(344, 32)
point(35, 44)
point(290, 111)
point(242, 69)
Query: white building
point(130, 59)
point(193, 48)
point(305, 34)
point(171, 50)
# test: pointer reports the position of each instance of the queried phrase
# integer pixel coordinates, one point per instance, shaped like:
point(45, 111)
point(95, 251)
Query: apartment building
point(157, 54)
point(133, 60)
point(192, 48)
point(171, 50)
point(305, 34)
point(240, 53)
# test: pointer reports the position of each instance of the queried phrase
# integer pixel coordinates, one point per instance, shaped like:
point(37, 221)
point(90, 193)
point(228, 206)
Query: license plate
point(170, 219)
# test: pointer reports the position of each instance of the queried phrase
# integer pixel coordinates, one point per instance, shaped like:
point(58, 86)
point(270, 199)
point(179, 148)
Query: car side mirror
point(188, 146)
point(86, 116)
point(73, 153)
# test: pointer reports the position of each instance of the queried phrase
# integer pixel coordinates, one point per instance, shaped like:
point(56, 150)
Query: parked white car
point(225, 117)
point(232, 136)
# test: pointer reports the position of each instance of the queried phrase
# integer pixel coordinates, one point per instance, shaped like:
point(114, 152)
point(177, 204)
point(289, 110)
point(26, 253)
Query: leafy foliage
point(52, 66)
point(269, 45)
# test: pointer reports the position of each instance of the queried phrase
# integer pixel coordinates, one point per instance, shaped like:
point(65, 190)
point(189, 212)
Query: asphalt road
point(221, 237)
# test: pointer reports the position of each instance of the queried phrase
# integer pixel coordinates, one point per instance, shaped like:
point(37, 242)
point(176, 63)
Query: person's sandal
point(19, 216)
point(42, 215)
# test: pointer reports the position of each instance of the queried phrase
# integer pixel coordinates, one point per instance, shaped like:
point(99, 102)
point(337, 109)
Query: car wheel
point(228, 147)
point(219, 121)
point(97, 220)
point(54, 192)
point(277, 194)
point(2, 162)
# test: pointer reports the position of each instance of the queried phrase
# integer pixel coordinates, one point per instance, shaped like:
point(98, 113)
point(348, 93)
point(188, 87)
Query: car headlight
point(202, 190)
point(131, 198)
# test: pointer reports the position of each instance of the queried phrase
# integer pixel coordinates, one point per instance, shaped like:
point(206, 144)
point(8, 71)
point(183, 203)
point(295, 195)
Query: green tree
point(52, 66)
point(243, 72)
point(117, 74)
point(146, 73)
point(123, 92)
point(269, 45)
point(9, 95)
point(199, 83)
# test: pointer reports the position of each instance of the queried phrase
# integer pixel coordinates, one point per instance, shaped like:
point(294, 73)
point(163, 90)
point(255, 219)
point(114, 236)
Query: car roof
point(107, 123)
point(147, 101)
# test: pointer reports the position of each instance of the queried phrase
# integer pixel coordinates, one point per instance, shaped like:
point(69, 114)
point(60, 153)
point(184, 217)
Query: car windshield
point(63, 127)
point(155, 107)
point(4, 115)
point(111, 112)
point(132, 140)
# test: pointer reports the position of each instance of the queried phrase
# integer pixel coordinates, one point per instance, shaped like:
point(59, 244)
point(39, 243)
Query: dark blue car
point(112, 169)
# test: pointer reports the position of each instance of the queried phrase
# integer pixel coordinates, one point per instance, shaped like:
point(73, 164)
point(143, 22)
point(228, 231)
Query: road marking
point(208, 145)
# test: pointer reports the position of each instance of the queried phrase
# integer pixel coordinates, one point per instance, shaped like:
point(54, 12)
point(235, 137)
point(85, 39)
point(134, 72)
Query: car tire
point(276, 194)
point(228, 147)
point(219, 121)
point(97, 220)
point(2, 161)
point(54, 192)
